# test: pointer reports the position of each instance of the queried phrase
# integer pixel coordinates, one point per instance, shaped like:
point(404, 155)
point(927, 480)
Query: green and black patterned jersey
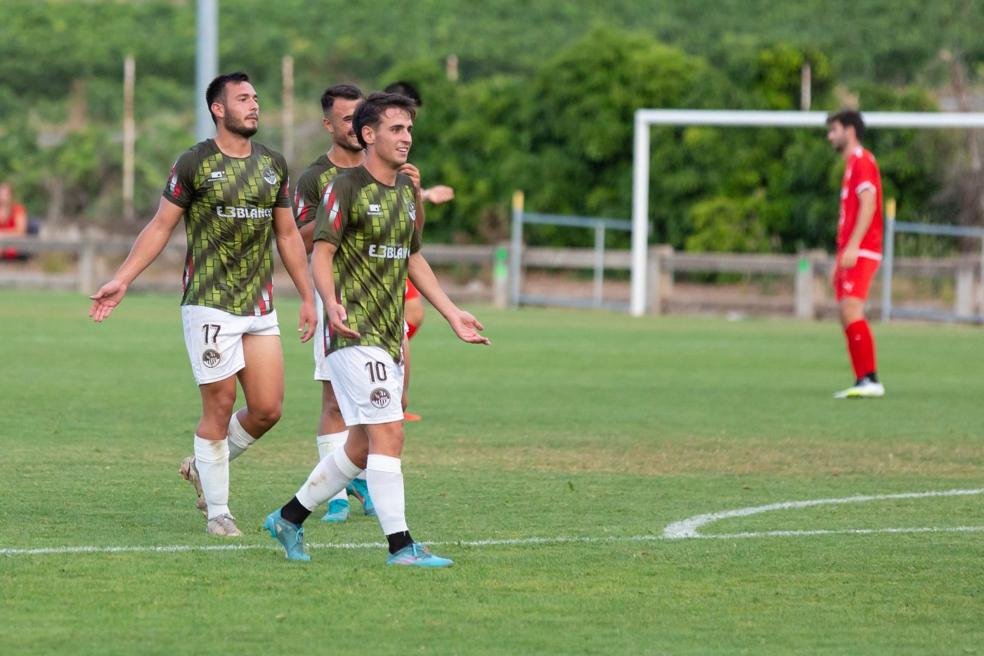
point(228, 203)
point(374, 227)
point(310, 185)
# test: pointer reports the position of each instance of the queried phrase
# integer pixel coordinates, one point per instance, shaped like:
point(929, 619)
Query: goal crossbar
point(646, 118)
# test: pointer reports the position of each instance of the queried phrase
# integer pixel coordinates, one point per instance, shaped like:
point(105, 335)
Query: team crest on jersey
point(270, 175)
point(412, 211)
point(379, 398)
point(211, 358)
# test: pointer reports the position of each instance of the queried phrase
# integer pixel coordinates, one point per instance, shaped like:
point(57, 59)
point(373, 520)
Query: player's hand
point(307, 321)
point(336, 319)
point(411, 172)
point(849, 257)
point(467, 328)
point(439, 194)
point(106, 299)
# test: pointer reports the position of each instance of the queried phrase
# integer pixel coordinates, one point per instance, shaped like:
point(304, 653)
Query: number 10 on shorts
point(376, 370)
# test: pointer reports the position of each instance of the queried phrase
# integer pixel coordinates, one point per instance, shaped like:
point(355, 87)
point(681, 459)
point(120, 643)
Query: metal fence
point(963, 268)
point(522, 257)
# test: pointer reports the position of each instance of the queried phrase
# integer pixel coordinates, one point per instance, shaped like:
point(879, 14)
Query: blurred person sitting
point(13, 222)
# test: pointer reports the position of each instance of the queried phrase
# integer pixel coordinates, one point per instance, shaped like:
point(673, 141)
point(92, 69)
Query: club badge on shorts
point(379, 398)
point(211, 358)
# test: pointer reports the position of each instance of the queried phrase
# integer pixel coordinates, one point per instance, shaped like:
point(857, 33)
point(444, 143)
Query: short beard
point(346, 146)
point(240, 129)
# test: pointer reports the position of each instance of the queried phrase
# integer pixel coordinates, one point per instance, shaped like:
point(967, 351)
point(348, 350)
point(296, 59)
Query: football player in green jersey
point(232, 194)
point(338, 104)
point(366, 243)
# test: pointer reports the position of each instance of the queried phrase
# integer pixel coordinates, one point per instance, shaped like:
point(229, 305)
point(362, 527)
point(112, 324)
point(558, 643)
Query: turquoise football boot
point(338, 511)
point(288, 534)
point(359, 489)
point(417, 555)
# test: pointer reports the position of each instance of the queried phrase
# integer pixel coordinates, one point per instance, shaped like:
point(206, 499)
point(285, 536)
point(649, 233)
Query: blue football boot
point(417, 555)
point(288, 534)
point(338, 511)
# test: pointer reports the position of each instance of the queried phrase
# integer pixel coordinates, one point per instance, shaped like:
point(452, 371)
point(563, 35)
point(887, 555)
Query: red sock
point(411, 329)
point(861, 346)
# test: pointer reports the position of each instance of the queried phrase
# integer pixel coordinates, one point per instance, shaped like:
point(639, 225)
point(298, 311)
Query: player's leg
point(385, 477)
point(211, 461)
point(329, 476)
point(332, 434)
point(413, 315)
point(215, 348)
point(852, 291)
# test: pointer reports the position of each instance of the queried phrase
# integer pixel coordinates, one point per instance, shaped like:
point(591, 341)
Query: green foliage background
point(544, 102)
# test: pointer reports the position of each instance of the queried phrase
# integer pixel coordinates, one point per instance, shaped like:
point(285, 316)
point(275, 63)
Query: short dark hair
point(849, 118)
point(371, 111)
point(346, 91)
point(216, 88)
point(405, 89)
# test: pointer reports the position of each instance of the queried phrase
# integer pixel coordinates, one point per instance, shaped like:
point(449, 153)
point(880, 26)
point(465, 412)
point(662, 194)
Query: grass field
point(572, 425)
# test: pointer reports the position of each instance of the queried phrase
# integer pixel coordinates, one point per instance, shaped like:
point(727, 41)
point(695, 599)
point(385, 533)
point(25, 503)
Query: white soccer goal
point(646, 118)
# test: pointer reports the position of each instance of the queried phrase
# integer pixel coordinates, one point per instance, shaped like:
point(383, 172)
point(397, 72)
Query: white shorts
point(215, 340)
point(368, 385)
point(320, 341)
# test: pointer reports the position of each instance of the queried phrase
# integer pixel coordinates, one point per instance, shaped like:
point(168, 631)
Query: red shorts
point(412, 291)
point(855, 281)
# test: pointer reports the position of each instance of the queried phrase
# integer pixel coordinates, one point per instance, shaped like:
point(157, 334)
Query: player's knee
point(266, 414)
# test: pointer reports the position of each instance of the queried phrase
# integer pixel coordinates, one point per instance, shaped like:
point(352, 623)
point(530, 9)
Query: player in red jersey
point(859, 247)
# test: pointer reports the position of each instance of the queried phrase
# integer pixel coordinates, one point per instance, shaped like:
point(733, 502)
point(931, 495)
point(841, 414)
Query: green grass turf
point(571, 424)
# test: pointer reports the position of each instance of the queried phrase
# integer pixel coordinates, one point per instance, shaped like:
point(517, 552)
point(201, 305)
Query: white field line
point(688, 528)
point(508, 542)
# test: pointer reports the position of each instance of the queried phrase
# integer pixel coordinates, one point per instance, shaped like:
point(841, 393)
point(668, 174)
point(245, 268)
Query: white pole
point(640, 214)
point(129, 135)
point(206, 64)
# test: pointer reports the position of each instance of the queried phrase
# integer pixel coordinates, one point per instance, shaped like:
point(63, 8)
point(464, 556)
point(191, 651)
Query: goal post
point(646, 118)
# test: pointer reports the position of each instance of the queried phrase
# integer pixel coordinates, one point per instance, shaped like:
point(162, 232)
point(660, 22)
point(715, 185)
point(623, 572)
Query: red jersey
point(860, 173)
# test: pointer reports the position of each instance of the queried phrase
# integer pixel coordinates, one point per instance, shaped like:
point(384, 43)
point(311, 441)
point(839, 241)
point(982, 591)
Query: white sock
point(328, 443)
point(212, 461)
point(239, 440)
point(332, 474)
point(362, 475)
point(385, 480)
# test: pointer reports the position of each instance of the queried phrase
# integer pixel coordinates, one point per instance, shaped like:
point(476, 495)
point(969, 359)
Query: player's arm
point(323, 268)
point(867, 204)
point(149, 244)
point(292, 253)
point(438, 194)
point(464, 325)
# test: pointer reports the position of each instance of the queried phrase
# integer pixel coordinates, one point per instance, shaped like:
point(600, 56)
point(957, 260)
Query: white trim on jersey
point(864, 186)
point(871, 255)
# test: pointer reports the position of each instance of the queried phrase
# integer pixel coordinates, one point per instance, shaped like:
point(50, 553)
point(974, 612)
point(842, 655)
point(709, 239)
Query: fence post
point(805, 305)
point(888, 261)
point(659, 278)
point(87, 263)
point(516, 249)
point(599, 272)
point(964, 300)
point(500, 275)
